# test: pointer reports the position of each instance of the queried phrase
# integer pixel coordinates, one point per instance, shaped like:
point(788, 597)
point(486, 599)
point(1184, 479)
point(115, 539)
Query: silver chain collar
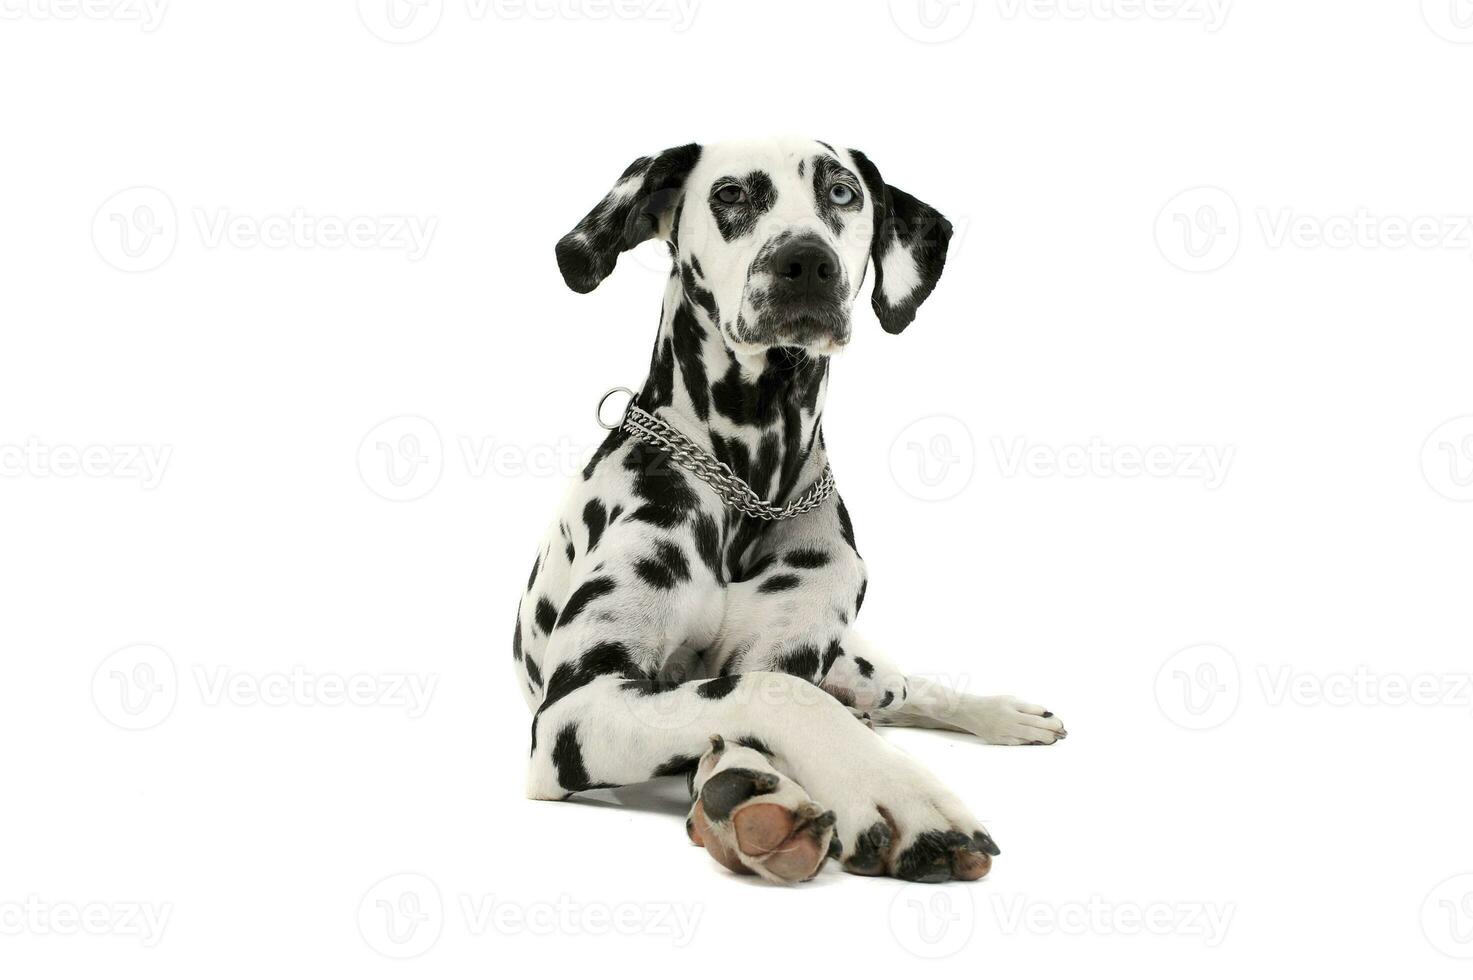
point(710, 470)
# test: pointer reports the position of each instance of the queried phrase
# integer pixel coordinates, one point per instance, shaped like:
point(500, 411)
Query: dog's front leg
point(890, 815)
point(866, 680)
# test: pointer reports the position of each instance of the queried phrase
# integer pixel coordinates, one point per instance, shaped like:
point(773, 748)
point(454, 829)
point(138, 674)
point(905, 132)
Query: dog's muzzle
point(807, 301)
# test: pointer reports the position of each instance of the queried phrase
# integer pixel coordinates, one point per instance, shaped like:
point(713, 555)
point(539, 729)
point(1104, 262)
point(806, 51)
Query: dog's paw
point(753, 820)
point(1006, 720)
point(908, 827)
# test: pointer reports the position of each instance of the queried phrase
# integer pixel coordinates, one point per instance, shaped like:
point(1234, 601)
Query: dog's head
point(770, 238)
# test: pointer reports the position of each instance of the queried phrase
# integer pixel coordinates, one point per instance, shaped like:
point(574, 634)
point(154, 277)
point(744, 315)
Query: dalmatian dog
point(664, 631)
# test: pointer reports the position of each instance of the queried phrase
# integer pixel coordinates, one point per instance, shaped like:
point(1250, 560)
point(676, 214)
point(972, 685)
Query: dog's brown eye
point(730, 194)
point(841, 194)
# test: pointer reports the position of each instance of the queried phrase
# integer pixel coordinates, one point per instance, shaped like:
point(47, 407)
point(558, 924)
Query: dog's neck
point(761, 415)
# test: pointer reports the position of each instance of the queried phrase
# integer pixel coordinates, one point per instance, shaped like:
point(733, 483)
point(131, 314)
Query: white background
point(1182, 228)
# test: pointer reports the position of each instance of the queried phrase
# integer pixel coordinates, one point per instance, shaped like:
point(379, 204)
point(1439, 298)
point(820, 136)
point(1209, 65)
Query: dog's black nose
point(806, 267)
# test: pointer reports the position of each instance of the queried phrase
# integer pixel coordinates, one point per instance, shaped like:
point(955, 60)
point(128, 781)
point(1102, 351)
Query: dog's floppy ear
point(647, 191)
point(908, 250)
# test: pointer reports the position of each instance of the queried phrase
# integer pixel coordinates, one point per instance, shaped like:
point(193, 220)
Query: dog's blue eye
point(841, 194)
point(730, 194)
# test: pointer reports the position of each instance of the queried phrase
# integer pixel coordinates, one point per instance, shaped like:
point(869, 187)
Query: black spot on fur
point(859, 599)
point(609, 657)
point(567, 756)
point(647, 686)
point(667, 496)
point(756, 744)
point(536, 566)
point(738, 220)
point(834, 652)
point(595, 519)
point(807, 558)
point(546, 615)
point(688, 339)
point(516, 639)
point(779, 583)
point(664, 569)
point(800, 662)
point(866, 669)
point(708, 544)
point(846, 526)
point(534, 673)
point(718, 688)
point(590, 590)
point(695, 292)
point(676, 765)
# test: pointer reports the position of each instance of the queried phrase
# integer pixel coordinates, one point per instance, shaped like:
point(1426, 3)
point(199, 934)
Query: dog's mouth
point(820, 328)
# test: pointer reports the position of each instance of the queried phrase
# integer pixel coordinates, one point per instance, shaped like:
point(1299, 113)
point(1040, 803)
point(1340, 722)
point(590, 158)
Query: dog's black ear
point(908, 251)
point(646, 193)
